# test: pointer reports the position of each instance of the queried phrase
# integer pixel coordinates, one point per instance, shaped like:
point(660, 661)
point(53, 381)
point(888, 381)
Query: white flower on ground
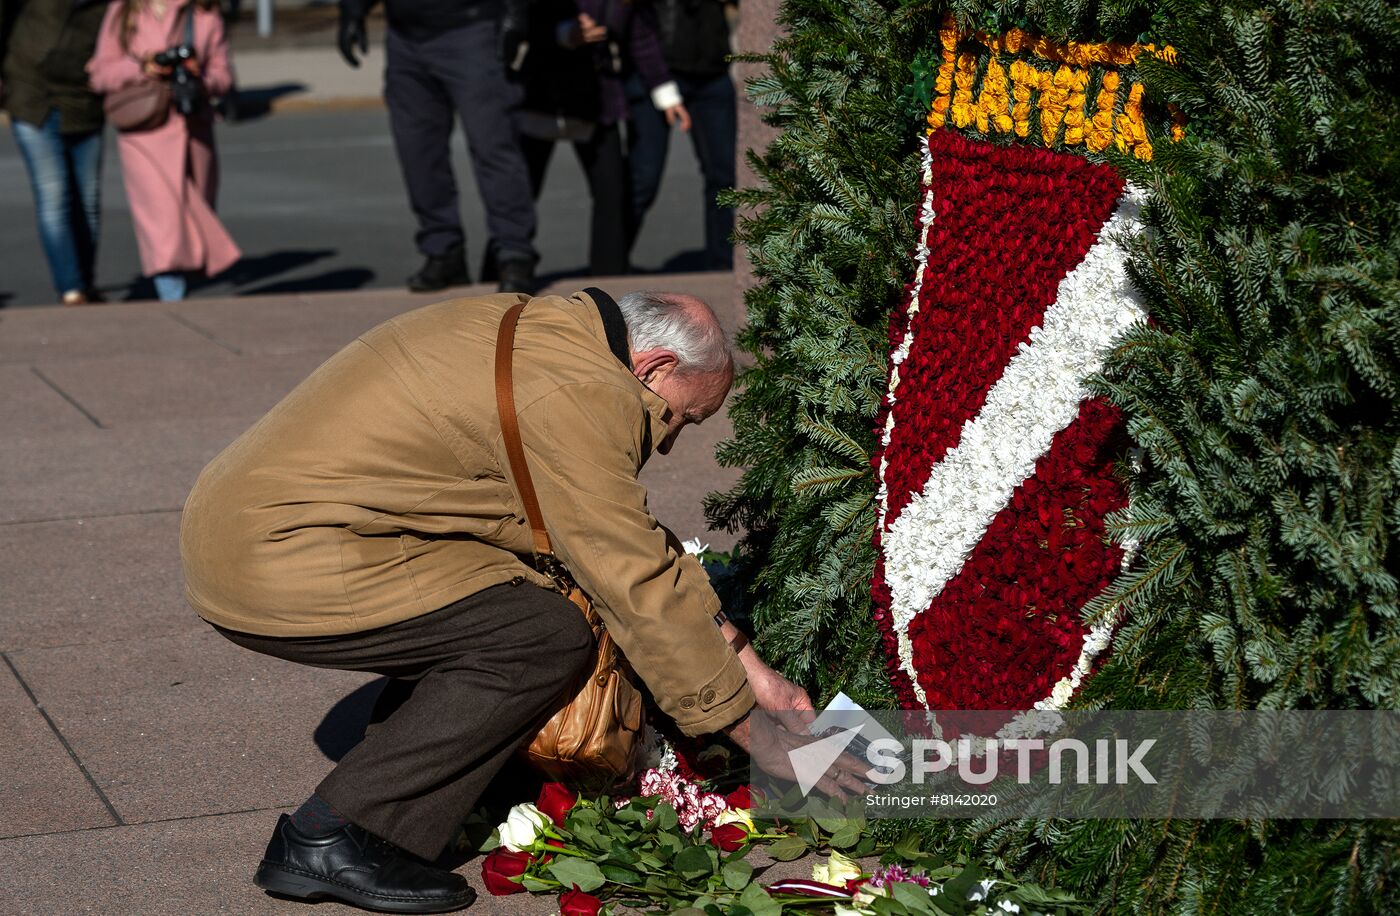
point(735, 816)
point(524, 825)
point(1006, 906)
point(693, 546)
point(983, 888)
point(864, 899)
point(836, 870)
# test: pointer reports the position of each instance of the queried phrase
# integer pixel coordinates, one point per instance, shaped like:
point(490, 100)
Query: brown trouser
point(468, 684)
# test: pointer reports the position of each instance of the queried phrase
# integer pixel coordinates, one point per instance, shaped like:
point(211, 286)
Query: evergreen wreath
point(1262, 394)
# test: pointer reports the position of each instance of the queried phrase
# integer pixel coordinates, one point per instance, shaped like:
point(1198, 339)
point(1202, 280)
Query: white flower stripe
point(921, 252)
point(926, 218)
point(1037, 396)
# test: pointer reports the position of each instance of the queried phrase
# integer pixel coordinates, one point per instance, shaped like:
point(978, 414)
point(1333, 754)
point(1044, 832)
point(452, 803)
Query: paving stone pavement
point(145, 758)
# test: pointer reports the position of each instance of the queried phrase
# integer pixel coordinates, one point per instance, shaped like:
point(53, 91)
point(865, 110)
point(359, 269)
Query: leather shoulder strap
point(510, 431)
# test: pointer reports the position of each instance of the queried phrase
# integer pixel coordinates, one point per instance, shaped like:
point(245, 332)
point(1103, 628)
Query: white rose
point(524, 825)
point(735, 816)
point(836, 871)
point(865, 896)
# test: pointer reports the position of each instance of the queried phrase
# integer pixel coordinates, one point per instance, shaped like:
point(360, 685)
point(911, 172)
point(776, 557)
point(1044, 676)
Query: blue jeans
point(170, 287)
point(65, 175)
point(710, 101)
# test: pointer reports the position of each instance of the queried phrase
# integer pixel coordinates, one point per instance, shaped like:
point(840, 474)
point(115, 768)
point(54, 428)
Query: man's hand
point(790, 713)
point(774, 693)
point(771, 750)
point(778, 695)
point(352, 35)
point(575, 33)
point(677, 114)
point(589, 30)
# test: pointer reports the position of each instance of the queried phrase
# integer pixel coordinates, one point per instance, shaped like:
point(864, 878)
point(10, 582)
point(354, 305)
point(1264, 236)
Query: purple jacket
point(587, 82)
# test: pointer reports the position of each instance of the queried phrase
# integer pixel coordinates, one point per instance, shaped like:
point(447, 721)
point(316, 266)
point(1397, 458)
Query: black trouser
point(469, 683)
point(609, 186)
point(710, 101)
point(458, 72)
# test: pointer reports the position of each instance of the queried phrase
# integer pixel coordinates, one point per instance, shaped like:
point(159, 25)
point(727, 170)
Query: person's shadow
point(252, 102)
point(261, 269)
point(330, 281)
point(343, 727)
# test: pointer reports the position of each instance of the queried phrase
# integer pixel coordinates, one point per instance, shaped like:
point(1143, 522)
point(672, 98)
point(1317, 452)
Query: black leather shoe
point(356, 867)
point(440, 272)
point(517, 276)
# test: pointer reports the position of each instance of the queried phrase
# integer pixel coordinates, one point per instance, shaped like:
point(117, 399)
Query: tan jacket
point(377, 491)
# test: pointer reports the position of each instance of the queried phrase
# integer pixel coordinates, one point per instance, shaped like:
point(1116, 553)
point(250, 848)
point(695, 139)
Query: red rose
point(499, 867)
point(739, 798)
point(577, 903)
point(729, 837)
point(557, 801)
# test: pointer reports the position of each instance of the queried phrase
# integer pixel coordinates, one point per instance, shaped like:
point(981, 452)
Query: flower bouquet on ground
point(678, 848)
point(912, 883)
point(637, 852)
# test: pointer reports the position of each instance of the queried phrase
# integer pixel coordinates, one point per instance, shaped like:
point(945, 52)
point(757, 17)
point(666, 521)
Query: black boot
point(489, 270)
point(517, 276)
point(441, 271)
point(358, 868)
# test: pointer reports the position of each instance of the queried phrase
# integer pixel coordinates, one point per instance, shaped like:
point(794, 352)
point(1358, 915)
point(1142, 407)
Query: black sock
point(317, 818)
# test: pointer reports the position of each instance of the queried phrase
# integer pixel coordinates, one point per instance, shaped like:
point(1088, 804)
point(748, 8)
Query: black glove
point(352, 32)
point(513, 34)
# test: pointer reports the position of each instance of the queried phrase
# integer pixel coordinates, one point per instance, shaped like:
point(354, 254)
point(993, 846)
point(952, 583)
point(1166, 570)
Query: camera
point(186, 89)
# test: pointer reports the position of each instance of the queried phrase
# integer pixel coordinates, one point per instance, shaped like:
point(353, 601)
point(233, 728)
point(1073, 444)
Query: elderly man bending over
point(368, 522)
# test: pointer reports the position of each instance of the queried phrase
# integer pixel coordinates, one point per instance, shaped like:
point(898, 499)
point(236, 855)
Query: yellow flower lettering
point(993, 105)
point(962, 98)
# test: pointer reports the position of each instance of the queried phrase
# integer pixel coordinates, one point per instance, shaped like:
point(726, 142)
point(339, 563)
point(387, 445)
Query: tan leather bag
point(145, 105)
point(138, 107)
point(594, 740)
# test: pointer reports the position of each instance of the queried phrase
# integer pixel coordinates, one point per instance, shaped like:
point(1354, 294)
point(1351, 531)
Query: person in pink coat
point(171, 172)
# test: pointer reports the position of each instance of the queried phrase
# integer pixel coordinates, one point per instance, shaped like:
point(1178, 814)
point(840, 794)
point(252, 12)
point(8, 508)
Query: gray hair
point(669, 322)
